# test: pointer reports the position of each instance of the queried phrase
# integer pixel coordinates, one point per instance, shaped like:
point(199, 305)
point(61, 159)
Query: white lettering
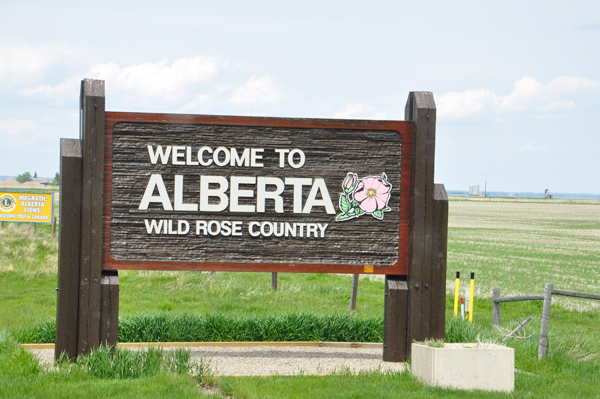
point(322, 227)
point(201, 156)
point(291, 158)
point(156, 181)
point(319, 185)
point(177, 154)
point(298, 182)
point(251, 229)
point(236, 228)
point(237, 161)
point(281, 156)
point(200, 226)
point(164, 156)
point(236, 193)
point(210, 228)
point(206, 192)
point(217, 154)
point(262, 194)
point(254, 157)
point(183, 227)
point(179, 205)
point(188, 157)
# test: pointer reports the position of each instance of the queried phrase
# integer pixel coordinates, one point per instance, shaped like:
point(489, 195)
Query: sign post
point(226, 193)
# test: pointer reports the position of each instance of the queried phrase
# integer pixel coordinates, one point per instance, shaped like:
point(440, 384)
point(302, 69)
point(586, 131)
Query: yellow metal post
point(456, 294)
point(471, 297)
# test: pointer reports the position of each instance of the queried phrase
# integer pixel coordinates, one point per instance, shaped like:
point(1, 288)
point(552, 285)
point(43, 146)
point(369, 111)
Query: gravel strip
point(295, 360)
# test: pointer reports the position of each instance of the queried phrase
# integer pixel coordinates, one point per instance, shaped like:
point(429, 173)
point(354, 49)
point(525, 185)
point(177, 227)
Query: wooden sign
point(196, 192)
point(26, 207)
point(189, 192)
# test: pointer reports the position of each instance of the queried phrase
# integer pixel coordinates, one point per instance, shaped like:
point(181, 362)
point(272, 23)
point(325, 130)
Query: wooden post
point(545, 321)
point(395, 333)
point(354, 291)
point(496, 307)
point(420, 108)
point(54, 228)
point(438, 262)
point(109, 311)
point(274, 281)
point(69, 249)
point(92, 104)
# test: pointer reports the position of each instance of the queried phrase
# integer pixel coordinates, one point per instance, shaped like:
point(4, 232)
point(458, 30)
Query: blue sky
point(517, 84)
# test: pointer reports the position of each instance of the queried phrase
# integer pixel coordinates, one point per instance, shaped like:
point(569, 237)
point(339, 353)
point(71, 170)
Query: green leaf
point(358, 211)
point(378, 214)
point(344, 203)
point(384, 177)
point(341, 217)
point(386, 209)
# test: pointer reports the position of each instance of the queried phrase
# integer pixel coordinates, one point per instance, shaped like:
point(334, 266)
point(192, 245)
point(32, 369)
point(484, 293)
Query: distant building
point(548, 194)
point(40, 180)
point(474, 191)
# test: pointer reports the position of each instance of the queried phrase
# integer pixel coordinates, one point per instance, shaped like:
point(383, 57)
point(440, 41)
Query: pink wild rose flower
point(372, 194)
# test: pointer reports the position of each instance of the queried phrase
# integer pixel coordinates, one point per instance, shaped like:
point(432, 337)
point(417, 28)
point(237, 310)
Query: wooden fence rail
point(547, 298)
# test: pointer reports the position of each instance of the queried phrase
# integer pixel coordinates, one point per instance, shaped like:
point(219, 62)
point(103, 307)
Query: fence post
point(496, 307)
point(54, 228)
point(274, 281)
point(354, 291)
point(545, 321)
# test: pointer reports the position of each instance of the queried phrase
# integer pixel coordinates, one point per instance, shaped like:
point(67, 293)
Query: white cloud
point(258, 91)
point(528, 95)
point(16, 127)
point(197, 104)
point(358, 110)
point(21, 62)
point(158, 80)
point(142, 83)
point(68, 88)
point(352, 110)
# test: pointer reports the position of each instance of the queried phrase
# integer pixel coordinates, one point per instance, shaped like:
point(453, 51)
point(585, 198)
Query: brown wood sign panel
point(194, 192)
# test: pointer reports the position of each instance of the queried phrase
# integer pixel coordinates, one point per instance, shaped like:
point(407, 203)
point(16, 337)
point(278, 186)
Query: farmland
point(517, 246)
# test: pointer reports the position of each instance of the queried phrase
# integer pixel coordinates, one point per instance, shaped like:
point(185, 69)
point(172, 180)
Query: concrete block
point(482, 366)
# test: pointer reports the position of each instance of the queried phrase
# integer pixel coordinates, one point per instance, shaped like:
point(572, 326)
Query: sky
point(516, 83)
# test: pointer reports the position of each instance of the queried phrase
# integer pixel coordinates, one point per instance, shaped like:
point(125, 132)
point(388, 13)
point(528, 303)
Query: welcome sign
point(28, 207)
point(256, 194)
point(145, 191)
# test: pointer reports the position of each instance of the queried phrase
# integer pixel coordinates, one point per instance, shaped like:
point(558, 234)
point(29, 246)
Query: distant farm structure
point(36, 183)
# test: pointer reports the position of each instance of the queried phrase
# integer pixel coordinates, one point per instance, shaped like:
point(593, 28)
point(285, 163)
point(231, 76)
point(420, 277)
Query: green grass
point(520, 247)
point(181, 327)
point(144, 374)
point(515, 246)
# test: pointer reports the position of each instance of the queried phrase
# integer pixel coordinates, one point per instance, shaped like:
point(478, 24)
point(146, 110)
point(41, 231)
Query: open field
point(518, 246)
point(521, 246)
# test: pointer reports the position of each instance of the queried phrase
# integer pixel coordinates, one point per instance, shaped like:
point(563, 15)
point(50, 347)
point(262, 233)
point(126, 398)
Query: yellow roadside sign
point(28, 207)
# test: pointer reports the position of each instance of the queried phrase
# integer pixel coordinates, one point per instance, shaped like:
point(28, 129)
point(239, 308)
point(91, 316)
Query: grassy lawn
point(516, 246)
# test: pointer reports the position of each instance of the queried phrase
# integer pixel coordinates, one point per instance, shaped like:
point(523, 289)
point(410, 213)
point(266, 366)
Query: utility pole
point(485, 189)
